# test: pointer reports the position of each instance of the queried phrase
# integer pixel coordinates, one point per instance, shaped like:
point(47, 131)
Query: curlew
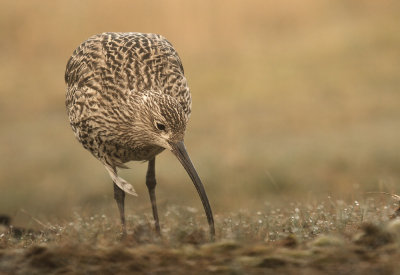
point(127, 100)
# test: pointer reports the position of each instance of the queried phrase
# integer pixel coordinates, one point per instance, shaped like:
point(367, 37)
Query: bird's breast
point(142, 153)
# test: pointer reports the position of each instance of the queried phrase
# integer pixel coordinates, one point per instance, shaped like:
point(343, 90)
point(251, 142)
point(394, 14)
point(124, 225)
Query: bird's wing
point(119, 63)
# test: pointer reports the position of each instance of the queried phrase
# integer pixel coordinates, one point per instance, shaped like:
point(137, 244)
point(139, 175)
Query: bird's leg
point(151, 185)
point(119, 196)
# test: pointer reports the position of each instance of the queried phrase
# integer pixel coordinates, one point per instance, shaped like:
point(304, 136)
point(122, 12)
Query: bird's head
point(162, 119)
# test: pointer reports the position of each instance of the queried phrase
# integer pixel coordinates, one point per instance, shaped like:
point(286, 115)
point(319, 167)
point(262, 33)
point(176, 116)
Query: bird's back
point(116, 64)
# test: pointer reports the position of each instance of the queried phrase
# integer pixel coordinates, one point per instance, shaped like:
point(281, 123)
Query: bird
point(127, 99)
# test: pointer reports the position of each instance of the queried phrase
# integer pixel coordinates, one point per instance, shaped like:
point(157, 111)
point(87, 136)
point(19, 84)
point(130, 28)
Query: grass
point(327, 236)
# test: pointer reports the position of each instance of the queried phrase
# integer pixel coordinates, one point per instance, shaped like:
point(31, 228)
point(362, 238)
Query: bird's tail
point(123, 184)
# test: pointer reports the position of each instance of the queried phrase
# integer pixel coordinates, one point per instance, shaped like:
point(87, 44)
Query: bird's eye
point(160, 126)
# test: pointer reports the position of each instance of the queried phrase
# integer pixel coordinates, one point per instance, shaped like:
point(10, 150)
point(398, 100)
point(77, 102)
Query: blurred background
point(292, 100)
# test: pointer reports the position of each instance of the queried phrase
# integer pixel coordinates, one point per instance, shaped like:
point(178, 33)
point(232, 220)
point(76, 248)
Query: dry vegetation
point(326, 237)
point(296, 117)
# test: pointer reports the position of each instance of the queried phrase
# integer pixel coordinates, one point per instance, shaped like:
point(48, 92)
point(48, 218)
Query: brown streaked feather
point(106, 77)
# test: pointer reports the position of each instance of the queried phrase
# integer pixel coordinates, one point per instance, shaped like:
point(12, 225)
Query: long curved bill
point(179, 151)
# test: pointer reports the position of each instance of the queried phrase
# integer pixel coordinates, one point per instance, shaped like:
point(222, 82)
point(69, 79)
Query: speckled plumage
point(128, 99)
point(108, 76)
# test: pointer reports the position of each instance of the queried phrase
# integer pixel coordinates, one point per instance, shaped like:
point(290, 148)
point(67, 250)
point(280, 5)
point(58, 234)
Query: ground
point(330, 237)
